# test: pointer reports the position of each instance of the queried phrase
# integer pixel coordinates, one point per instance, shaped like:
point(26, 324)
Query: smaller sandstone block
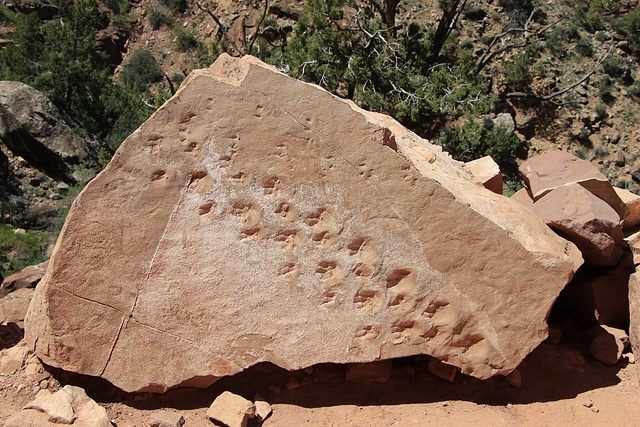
point(585, 220)
point(608, 344)
point(368, 373)
point(231, 410)
point(442, 370)
point(13, 358)
point(166, 419)
point(13, 307)
point(633, 204)
point(263, 409)
point(28, 277)
point(542, 174)
point(69, 406)
point(523, 197)
point(487, 172)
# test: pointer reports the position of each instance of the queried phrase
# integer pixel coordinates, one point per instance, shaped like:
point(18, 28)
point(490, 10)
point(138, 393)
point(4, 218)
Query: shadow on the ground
point(550, 373)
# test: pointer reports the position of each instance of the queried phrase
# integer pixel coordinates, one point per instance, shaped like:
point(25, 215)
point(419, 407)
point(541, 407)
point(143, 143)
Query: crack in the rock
point(86, 299)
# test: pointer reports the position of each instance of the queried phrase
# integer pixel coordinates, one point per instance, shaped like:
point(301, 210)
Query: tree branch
point(223, 29)
point(550, 97)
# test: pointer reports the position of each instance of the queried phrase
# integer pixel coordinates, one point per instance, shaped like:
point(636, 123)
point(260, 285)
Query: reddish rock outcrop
point(546, 172)
point(257, 218)
point(584, 219)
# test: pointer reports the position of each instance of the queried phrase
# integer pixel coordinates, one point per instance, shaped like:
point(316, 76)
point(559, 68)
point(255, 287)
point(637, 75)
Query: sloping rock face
point(258, 218)
point(33, 128)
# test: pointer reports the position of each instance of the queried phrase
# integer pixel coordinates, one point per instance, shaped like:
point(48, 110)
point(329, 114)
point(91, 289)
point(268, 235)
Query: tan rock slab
point(313, 231)
point(12, 359)
point(487, 173)
point(546, 172)
point(263, 409)
point(231, 410)
point(522, 196)
point(584, 219)
point(634, 244)
point(28, 277)
point(13, 307)
point(68, 406)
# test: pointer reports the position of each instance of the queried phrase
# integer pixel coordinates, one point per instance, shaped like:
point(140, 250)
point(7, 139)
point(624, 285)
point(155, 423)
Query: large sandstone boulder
point(33, 128)
point(257, 218)
point(584, 219)
point(543, 173)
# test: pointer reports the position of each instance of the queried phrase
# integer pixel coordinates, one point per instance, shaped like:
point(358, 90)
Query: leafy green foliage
point(473, 140)
point(157, 18)
point(118, 6)
point(614, 66)
point(629, 27)
point(206, 54)
point(584, 47)
point(186, 41)
point(177, 5)
point(59, 58)
point(358, 57)
point(21, 250)
point(605, 89)
point(141, 70)
point(517, 72)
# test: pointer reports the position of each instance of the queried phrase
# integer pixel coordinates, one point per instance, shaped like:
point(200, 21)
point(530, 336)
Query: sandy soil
point(561, 385)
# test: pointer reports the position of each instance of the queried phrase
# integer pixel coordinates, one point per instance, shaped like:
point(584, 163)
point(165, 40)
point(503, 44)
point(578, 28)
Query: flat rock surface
point(257, 218)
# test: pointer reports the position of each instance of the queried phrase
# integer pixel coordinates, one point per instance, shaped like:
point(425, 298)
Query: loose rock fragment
point(323, 232)
point(608, 344)
point(633, 204)
point(68, 406)
point(231, 410)
point(487, 172)
point(263, 409)
point(442, 370)
point(166, 419)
